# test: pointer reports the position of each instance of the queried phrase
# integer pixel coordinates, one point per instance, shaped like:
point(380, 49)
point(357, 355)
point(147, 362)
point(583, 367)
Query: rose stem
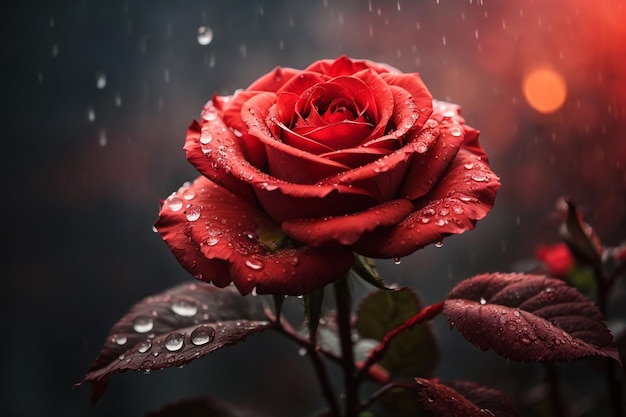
point(613, 375)
point(555, 395)
point(375, 396)
point(285, 329)
point(342, 297)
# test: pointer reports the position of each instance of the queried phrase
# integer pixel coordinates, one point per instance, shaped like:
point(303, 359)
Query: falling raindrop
point(174, 342)
point(185, 308)
point(202, 335)
point(205, 35)
point(118, 100)
point(91, 115)
point(101, 80)
point(143, 324)
point(102, 138)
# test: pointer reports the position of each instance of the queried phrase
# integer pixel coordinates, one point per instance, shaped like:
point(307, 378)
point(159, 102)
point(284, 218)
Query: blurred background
point(97, 99)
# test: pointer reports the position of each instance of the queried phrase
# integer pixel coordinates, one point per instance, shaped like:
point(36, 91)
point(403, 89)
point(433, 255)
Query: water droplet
point(480, 177)
point(91, 115)
point(525, 340)
point(102, 138)
point(143, 324)
point(205, 137)
point(397, 261)
point(430, 398)
point(483, 301)
point(302, 351)
point(202, 335)
point(193, 213)
point(175, 204)
point(212, 241)
point(431, 123)
point(511, 325)
point(118, 100)
point(444, 212)
point(465, 198)
point(420, 147)
point(439, 244)
point(440, 222)
point(295, 261)
point(144, 346)
point(184, 307)
point(101, 80)
point(455, 131)
point(469, 165)
point(425, 220)
point(121, 340)
point(205, 35)
point(254, 264)
point(457, 209)
point(174, 342)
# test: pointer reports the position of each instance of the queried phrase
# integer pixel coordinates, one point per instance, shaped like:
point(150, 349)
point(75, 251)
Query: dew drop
point(440, 222)
point(174, 342)
point(144, 346)
point(455, 131)
point(465, 198)
point(420, 147)
point(189, 194)
point(397, 261)
point(479, 177)
point(212, 241)
point(193, 213)
point(143, 324)
point(457, 209)
point(121, 340)
point(444, 212)
point(439, 244)
point(295, 261)
point(176, 204)
point(205, 35)
point(483, 301)
point(202, 335)
point(205, 137)
point(511, 325)
point(525, 340)
point(425, 220)
point(431, 123)
point(254, 264)
point(184, 307)
point(469, 165)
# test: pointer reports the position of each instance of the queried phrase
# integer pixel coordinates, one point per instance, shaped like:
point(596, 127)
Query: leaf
point(366, 269)
point(581, 238)
point(528, 318)
point(201, 407)
point(173, 328)
point(462, 398)
point(413, 352)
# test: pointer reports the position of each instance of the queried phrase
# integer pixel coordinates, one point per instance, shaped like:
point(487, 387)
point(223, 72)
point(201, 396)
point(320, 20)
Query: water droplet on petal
point(455, 131)
point(174, 342)
point(189, 194)
point(295, 261)
point(184, 307)
point(254, 264)
point(175, 204)
point(439, 244)
point(479, 177)
point(483, 301)
point(444, 212)
point(205, 35)
point(397, 261)
point(193, 213)
point(212, 241)
point(420, 147)
point(457, 209)
point(121, 340)
point(511, 325)
point(143, 324)
point(440, 222)
point(205, 137)
point(469, 165)
point(202, 335)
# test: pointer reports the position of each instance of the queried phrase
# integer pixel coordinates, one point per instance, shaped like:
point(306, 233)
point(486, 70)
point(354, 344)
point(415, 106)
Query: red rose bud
point(306, 167)
point(557, 259)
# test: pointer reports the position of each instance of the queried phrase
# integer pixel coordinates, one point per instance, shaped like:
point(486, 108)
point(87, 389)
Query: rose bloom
point(304, 168)
point(556, 258)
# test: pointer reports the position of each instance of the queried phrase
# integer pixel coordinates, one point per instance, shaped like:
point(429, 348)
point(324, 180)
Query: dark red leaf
point(173, 328)
point(466, 399)
point(581, 238)
point(528, 318)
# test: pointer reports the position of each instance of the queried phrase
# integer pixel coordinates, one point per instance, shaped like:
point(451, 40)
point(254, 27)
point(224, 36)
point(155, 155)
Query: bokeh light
point(544, 89)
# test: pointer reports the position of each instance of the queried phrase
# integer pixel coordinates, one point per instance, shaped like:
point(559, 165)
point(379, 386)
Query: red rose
point(557, 259)
point(306, 167)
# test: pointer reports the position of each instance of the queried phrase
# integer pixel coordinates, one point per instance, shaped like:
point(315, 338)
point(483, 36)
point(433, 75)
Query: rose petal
point(414, 85)
point(301, 83)
point(462, 197)
point(356, 157)
point(346, 66)
point(384, 100)
point(208, 229)
point(347, 229)
point(437, 146)
point(274, 80)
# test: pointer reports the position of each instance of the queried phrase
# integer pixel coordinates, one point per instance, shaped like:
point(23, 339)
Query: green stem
point(344, 321)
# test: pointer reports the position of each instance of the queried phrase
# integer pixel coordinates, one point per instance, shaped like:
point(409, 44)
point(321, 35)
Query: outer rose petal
point(346, 66)
point(274, 80)
point(218, 237)
point(347, 229)
point(463, 196)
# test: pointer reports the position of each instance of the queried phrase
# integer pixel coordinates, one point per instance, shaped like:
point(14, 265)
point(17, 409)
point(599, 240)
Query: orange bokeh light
point(544, 89)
